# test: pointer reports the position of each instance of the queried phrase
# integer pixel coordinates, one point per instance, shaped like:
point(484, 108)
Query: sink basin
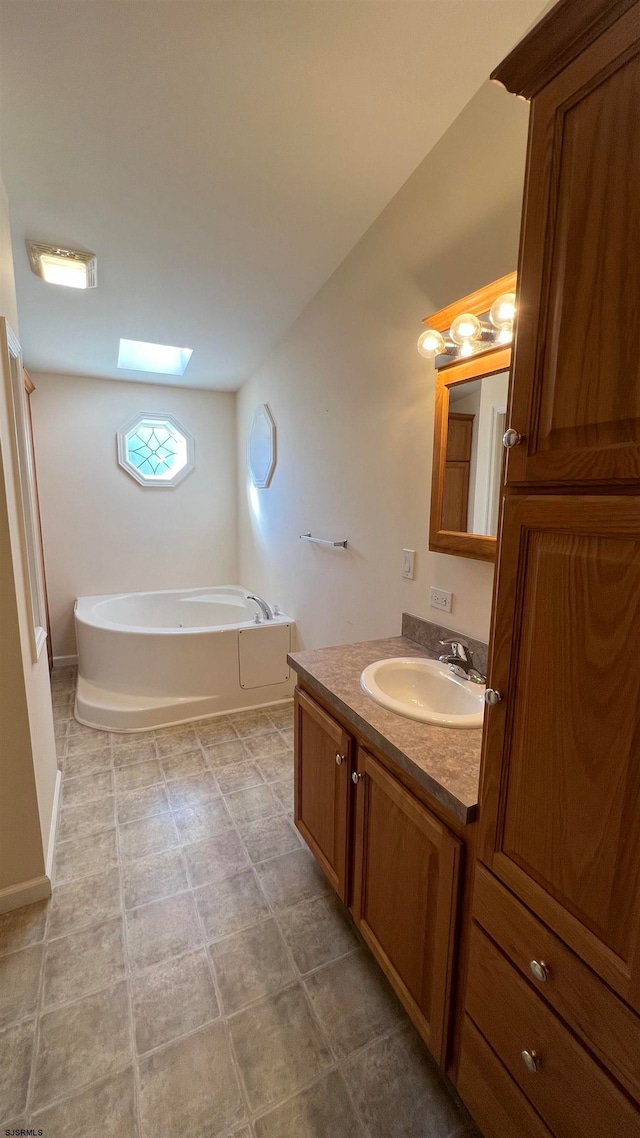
point(424, 690)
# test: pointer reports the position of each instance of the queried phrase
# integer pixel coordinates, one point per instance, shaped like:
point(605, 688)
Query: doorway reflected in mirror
point(472, 469)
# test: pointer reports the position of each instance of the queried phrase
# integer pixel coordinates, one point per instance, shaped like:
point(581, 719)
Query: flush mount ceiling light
point(137, 355)
point(74, 268)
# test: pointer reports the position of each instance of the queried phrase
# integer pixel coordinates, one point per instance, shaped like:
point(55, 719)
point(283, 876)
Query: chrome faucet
point(267, 611)
point(460, 660)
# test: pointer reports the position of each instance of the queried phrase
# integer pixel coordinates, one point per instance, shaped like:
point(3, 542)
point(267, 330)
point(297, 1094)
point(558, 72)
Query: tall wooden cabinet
point(576, 368)
point(553, 989)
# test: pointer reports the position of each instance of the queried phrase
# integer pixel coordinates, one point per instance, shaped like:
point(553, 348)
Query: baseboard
point(15, 896)
point(65, 661)
point(51, 848)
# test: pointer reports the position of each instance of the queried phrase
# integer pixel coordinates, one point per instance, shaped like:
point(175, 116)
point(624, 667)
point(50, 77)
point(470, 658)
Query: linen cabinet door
point(405, 896)
point(323, 751)
point(576, 367)
point(560, 804)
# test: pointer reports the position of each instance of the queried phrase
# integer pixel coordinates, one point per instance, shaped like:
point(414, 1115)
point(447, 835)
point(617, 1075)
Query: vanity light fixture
point(503, 311)
point(481, 322)
point(431, 344)
point(502, 316)
point(465, 329)
point(75, 268)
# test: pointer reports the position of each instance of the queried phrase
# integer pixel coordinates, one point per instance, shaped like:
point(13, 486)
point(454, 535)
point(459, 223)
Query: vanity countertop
point(445, 762)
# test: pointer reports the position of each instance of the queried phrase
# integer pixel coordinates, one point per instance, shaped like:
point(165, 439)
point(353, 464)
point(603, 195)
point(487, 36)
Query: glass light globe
point(465, 328)
point(431, 344)
point(505, 335)
point(503, 310)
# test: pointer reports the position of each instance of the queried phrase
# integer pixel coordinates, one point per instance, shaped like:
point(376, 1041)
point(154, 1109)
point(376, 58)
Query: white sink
point(425, 690)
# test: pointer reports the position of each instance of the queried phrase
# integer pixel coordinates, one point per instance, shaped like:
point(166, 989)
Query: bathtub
point(153, 659)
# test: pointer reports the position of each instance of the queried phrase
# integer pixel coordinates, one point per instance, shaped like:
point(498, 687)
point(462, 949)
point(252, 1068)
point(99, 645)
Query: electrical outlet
point(408, 563)
point(440, 599)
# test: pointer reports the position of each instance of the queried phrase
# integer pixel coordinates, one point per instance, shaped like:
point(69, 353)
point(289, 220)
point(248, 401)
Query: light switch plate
point(440, 599)
point(408, 563)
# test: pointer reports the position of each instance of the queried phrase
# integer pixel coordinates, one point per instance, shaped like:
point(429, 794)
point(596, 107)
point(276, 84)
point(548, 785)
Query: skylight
point(136, 355)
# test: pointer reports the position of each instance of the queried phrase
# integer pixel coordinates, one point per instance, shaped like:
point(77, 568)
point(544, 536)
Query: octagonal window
point(156, 450)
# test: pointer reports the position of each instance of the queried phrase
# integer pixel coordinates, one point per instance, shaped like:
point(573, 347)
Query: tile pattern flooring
point(192, 972)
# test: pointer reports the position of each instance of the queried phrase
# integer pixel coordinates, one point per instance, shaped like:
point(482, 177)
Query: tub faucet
point(460, 660)
point(266, 609)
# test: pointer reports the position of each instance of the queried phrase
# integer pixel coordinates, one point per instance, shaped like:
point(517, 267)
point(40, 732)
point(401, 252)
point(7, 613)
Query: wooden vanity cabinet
point(392, 860)
point(323, 761)
point(406, 868)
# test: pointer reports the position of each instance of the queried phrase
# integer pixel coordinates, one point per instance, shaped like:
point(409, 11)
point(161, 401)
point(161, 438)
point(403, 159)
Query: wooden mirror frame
point(461, 370)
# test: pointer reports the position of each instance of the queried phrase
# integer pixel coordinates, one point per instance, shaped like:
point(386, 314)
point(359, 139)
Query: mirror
point(470, 420)
point(261, 447)
point(470, 343)
point(473, 458)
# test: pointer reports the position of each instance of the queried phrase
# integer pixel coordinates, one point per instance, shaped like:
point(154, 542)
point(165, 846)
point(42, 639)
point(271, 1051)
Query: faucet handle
point(458, 645)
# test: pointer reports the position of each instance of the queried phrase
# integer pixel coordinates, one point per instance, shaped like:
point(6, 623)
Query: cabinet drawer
point(494, 1101)
point(592, 1011)
point(569, 1089)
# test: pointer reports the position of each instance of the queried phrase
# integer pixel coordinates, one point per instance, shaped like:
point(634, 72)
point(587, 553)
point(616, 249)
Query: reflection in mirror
point(473, 462)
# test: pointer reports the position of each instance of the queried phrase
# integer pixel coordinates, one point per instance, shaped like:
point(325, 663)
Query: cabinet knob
point(339, 760)
point(540, 970)
point(491, 696)
point(511, 438)
point(531, 1060)
point(355, 778)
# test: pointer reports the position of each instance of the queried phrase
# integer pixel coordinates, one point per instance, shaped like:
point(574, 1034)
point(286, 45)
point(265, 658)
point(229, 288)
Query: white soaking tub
point(153, 659)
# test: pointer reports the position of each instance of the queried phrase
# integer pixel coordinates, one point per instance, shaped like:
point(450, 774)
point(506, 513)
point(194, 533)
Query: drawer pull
point(531, 1061)
point(355, 778)
point(339, 759)
point(540, 970)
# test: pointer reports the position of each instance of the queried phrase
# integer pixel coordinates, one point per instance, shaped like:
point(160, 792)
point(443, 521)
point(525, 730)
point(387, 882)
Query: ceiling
point(221, 158)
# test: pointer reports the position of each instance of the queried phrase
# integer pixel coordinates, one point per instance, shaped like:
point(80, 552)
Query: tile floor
point(192, 973)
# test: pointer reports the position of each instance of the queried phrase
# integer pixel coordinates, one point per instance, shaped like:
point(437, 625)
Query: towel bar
point(323, 541)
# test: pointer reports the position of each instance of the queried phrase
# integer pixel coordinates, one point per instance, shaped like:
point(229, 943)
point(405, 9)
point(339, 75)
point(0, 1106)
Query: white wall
point(353, 400)
point(103, 531)
point(28, 767)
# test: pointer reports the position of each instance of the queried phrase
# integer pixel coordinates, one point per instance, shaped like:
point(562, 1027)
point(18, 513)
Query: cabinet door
point(459, 437)
point(560, 806)
point(406, 872)
point(455, 497)
point(323, 752)
point(576, 368)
